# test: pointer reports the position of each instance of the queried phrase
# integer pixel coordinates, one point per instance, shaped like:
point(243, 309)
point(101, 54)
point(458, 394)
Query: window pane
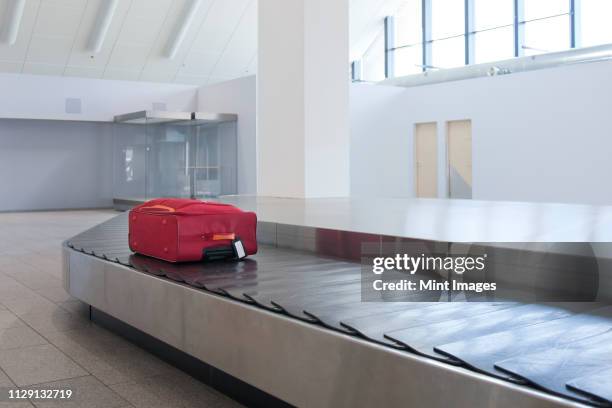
point(494, 45)
point(490, 14)
point(551, 34)
point(544, 8)
point(447, 18)
point(448, 53)
point(373, 62)
point(408, 26)
point(596, 28)
point(408, 60)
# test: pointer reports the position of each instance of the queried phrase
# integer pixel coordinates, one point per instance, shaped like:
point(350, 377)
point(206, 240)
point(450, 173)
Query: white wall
point(44, 97)
point(381, 142)
point(280, 77)
point(326, 98)
point(540, 136)
point(55, 164)
point(237, 96)
point(302, 98)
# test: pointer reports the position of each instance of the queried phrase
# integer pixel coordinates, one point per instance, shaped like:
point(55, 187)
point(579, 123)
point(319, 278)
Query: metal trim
point(469, 31)
point(427, 41)
point(186, 118)
point(231, 386)
point(356, 71)
point(389, 46)
point(575, 22)
point(147, 116)
point(519, 28)
point(205, 117)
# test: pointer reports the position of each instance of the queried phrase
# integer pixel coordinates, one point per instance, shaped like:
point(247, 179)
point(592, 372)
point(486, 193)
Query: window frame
point(469, 34)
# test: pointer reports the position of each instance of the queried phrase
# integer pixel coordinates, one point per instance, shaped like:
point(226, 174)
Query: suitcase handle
point(172, 209)
point(223, 236)
point(159, 207)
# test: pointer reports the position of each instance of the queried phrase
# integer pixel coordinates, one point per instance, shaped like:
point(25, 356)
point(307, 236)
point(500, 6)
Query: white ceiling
point(220, 43)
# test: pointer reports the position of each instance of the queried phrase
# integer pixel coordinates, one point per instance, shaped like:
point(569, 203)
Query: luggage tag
point(238, 249)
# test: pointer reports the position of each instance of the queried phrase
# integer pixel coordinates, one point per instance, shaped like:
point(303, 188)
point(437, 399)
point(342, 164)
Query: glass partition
point(129, 157)
point(164, 154)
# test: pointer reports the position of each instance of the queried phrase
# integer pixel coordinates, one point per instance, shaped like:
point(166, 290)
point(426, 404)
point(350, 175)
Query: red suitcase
point(179, 230)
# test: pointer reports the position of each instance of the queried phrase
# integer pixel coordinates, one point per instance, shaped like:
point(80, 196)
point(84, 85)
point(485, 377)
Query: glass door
point(129, 168)
point(167, 160)
point(206, 161)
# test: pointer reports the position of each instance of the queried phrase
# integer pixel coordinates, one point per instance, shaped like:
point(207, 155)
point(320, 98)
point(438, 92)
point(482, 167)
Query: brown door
point(426, 159)
point(459, 138)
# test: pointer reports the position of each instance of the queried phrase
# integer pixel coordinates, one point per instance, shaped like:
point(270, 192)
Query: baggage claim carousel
point(287, 327)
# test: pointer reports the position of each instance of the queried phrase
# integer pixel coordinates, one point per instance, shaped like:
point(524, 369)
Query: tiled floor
point(47, 341)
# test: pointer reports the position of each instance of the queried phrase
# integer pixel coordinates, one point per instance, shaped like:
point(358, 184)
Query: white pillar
point(303, 98)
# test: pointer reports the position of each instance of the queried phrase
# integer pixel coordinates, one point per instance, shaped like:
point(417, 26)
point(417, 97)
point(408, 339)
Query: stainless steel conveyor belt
point(563, 349)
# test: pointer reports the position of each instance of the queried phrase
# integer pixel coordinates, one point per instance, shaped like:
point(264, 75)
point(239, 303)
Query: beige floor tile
point(14, 265)
point(53, 320)
point(9, 319)
point(87, 392)
point(76, 307)
point(6, 280)
point(52, 252)
point(38, 364)
point(35, 279)
point(17, 337)
point(109, 357)
point(28, 305)
point(5, 381)
point(56, 273)
point(44, 263)
point(13, 290)
point(14, 404)
point(15, 247)
point(56, 294)
point(172, 390)
point(92, 338)
point(129, 364)
point(144, 396)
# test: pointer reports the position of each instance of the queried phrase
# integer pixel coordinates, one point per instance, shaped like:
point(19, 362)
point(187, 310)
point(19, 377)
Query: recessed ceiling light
point(12, 21)
point(101, 25)
point(181, 27)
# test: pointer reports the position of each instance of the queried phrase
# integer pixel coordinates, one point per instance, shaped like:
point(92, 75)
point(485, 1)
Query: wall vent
point(73, 105)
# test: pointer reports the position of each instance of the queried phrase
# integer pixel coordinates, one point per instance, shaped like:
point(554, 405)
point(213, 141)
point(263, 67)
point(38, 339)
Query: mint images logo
point(412, 264)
